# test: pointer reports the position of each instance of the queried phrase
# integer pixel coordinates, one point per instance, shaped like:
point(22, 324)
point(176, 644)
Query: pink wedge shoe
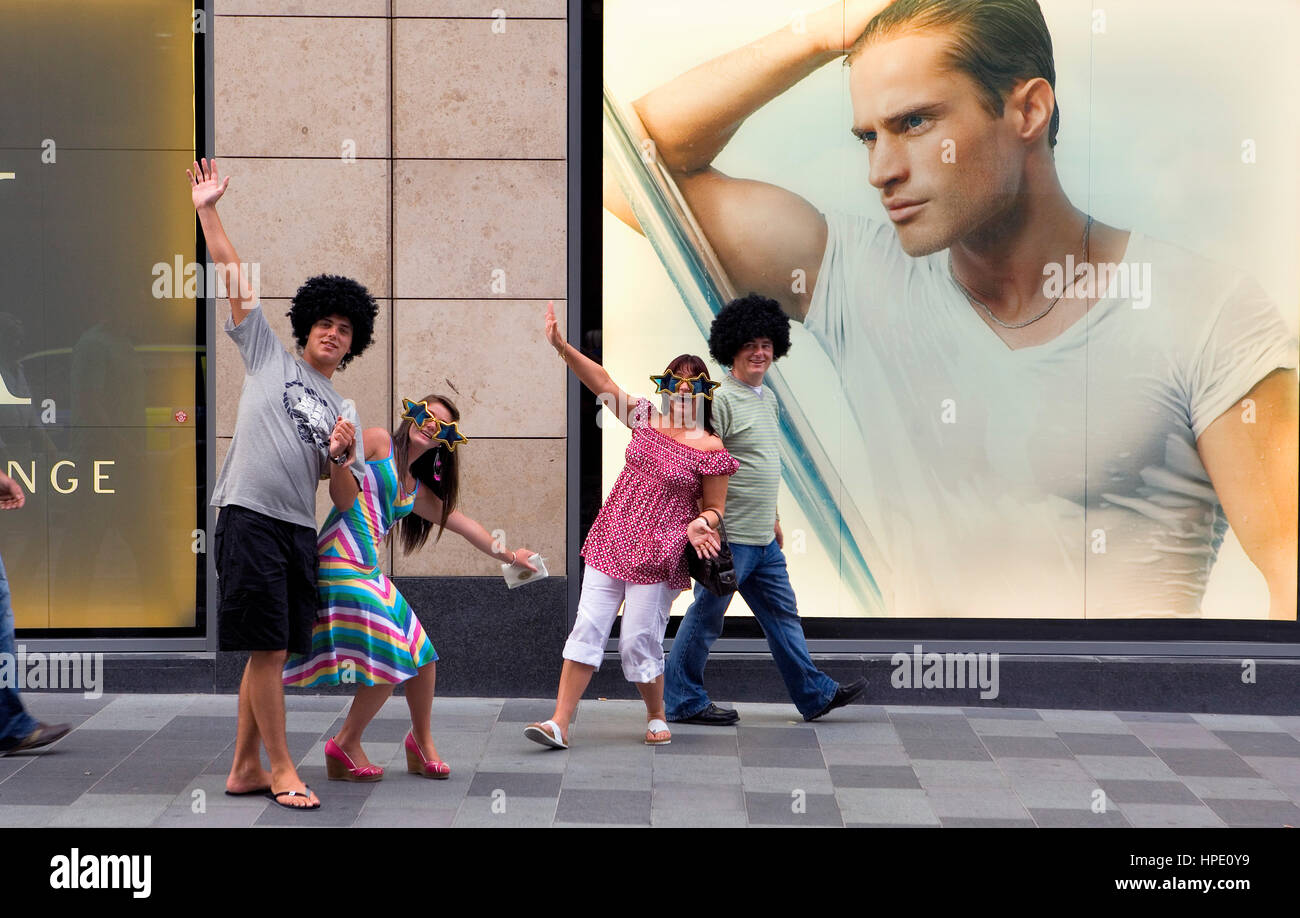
point(417, 764)
point(339, 766)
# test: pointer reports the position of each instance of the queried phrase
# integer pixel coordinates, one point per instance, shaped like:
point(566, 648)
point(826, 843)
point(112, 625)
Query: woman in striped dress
point(366, 634)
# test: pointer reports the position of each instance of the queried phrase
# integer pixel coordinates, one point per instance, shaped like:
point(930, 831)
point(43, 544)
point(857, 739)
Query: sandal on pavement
point(417, 764)
point(539, 734)
point(275, 798)
point(255, 792)
point(652, 729)
point(340, 767)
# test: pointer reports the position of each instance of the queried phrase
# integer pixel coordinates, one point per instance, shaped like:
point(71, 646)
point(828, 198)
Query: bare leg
point(652, 693)
point(266, 696)
point(419, 698)
point(246, 772)
point(365, 705)
point(574, 679)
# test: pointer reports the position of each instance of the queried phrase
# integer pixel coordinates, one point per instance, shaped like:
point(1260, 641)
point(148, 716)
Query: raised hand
point(553, 329)
point(206, 187)
point(841, 23)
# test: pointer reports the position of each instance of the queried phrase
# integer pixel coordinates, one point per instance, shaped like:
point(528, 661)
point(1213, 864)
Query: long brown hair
point(437, 461)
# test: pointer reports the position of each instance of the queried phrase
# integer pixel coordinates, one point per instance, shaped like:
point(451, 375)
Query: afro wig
point(330, 295)
point(745, 319)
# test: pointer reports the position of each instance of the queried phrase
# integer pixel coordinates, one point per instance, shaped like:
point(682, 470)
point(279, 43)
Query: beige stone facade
point(418, 146)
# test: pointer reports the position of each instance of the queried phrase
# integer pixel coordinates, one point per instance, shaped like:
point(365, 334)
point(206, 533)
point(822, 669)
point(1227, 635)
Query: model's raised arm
point(207, 187)
point(761, 233)
point(693, 117)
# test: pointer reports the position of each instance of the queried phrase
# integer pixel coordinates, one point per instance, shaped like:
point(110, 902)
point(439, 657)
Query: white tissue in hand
point(517, 575)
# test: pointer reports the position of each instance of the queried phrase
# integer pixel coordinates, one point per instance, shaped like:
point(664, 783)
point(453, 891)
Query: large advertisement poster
point(1113, 439)
point(101, 316)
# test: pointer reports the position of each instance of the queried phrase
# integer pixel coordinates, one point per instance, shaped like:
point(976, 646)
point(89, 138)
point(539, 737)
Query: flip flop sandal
point(275, 798)
point(256, 792)
point(657, 726)
point(538, 734)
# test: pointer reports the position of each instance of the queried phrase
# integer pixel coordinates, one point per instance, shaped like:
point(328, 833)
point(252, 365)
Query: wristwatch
point(340, 460)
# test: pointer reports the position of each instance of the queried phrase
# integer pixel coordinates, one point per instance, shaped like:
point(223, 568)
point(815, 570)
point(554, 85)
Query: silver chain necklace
point(1087, 232)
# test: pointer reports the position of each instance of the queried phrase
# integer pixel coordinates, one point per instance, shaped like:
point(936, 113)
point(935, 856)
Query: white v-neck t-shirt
point(1056, 481)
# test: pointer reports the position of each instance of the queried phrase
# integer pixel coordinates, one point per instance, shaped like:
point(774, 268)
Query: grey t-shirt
point(287, 411)
point(991, 474)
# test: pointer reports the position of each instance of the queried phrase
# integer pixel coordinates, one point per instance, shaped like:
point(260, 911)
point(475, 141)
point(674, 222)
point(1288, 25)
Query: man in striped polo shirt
point(747, 336)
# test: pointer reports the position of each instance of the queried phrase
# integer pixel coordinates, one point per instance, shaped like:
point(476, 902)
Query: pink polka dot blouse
point(640, 533)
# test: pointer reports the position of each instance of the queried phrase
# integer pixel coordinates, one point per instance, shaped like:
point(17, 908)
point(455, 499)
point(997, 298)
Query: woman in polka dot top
point(670, 494)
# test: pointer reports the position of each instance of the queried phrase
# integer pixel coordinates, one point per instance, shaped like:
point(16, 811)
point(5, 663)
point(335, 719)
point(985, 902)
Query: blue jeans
point(765, 585)
point(15, 723)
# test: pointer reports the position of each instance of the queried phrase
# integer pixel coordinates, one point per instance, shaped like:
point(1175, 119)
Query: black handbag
point(717, 575)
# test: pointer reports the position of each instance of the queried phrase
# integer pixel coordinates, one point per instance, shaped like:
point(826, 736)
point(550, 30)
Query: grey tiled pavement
point(160, 760)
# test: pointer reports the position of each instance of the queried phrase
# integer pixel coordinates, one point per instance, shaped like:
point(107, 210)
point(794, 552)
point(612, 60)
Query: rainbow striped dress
point(365, 632)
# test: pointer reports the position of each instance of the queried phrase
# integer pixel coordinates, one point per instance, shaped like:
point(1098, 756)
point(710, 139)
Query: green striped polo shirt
point(747, 424)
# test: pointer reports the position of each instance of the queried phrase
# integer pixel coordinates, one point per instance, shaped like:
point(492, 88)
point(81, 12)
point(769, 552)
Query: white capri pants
point(645, 618)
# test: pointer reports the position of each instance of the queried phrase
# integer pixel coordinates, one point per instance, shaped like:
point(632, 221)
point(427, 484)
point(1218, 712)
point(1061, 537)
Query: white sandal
point(537, 733)
point(657, 726)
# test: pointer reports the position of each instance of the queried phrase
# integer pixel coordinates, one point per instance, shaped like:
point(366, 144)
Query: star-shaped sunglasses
point(419, 414)
point(700, 384)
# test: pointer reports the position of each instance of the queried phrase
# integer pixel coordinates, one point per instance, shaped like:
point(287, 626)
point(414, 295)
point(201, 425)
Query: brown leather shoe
point(43, 735)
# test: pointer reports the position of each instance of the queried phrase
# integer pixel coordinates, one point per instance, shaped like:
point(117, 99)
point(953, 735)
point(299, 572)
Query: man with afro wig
point(747, 336)
point(291, 431)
